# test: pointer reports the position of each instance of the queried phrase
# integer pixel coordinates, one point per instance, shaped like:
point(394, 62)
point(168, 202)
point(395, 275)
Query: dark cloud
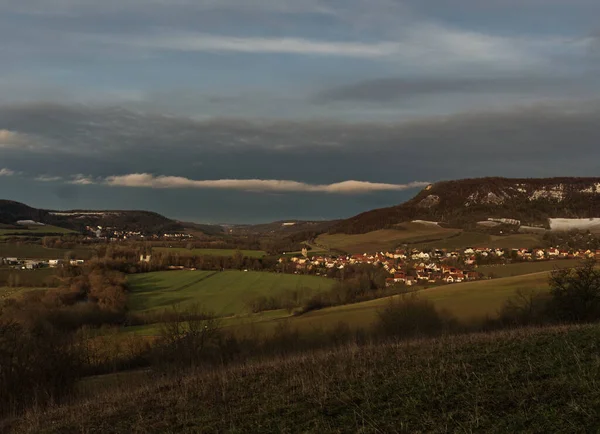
point(402, 89)
point(111, 141)
point(100, 142)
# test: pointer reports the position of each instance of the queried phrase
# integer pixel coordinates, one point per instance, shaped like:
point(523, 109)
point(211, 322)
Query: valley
point(127, 291)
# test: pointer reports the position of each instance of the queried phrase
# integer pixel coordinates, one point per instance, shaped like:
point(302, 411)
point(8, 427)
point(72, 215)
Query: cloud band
point(146, 180)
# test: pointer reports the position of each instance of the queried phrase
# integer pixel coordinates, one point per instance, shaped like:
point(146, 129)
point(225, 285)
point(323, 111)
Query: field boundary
point(195, 282)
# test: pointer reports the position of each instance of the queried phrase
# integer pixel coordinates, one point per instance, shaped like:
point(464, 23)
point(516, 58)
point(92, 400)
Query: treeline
point(92, 295)
point(293, 242)
point(572, 240)
point(164, 260)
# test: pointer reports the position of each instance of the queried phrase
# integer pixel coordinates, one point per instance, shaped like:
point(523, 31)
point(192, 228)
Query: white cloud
point(6, 172)
point(48, 178)
point(9, 138)
point(200, 42)
point(82, 180)
point(165, 182)
point(415, 45)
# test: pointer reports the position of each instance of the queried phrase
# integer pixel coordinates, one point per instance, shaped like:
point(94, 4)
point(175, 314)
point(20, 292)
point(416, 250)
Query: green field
point(37, 251)
point(27, 278)
point(520, 268)
point(223, 293)
point(468, 302)
point(36, 230)
point(477, 239)
point(425, 237)
point(386, 239)
point(209, 252)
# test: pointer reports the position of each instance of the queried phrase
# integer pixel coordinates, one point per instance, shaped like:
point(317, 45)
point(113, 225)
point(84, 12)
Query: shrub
point(575, 293)
point(526, 308)
point(188, 341)
point(410, 316)
point(36, 368)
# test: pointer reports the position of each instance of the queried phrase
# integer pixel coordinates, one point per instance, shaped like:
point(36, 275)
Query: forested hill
point(144, 221)
point(462, 203)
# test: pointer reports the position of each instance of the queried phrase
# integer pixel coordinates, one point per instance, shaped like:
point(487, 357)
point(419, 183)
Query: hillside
point(527, 380)
point(145, 221)
point(284, 228)
point(464, 203)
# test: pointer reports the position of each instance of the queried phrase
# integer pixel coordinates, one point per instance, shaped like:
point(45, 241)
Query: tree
point(576, 293)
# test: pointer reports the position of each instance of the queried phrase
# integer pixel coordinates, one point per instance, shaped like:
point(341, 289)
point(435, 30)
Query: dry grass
point(423, 236)
point(385, 239)
point(522, 268)
point(528, 380)
point(477, 239)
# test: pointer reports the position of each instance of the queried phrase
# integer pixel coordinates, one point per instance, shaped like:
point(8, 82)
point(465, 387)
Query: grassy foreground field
point(224, 293)
point(528, 380)
point(209, 252)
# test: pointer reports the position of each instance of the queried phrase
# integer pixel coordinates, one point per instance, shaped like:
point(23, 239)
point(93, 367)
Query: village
point(113, 235)
point(34, 264)
point(410, 267)
point(407, 267)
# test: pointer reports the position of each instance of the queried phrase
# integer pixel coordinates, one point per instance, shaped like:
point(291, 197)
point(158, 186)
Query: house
point(410, 281)
point(399, 277)
point(553, 252)
point(31, 265)
point(432, 267)
point(422, 276)
point(434, 277)
point(458, 277)
point(399, 255)
point(589, 254)
point(145, 258)
point(539, 253)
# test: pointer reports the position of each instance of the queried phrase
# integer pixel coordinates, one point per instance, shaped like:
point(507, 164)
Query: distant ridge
point(462, 203)
point(143, 221)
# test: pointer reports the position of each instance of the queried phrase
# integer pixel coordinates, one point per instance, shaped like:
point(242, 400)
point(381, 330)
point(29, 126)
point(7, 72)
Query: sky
point(246, 111)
